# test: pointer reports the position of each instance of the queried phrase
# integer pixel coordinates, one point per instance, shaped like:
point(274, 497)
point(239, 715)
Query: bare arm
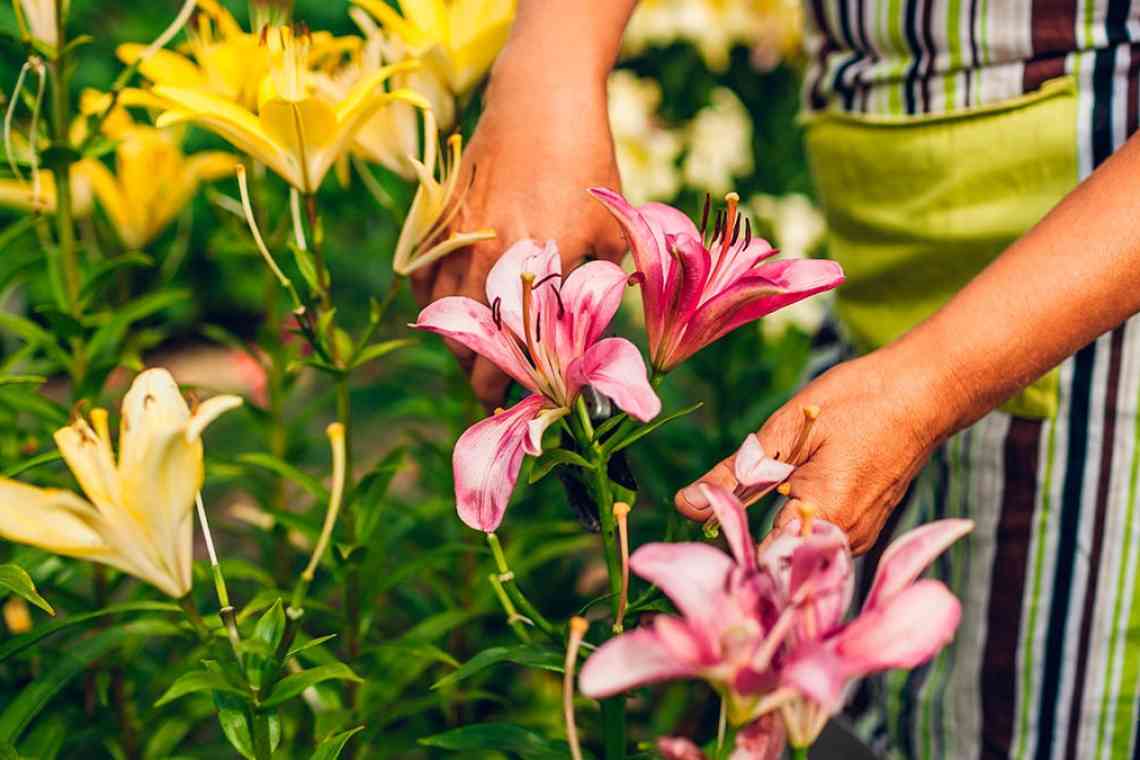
point(543, 138)
point(1069, 279)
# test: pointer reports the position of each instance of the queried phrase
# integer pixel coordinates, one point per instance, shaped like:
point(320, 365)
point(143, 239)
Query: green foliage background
point(425, 598)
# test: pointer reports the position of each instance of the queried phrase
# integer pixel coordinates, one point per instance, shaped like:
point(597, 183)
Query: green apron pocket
point(918, 205)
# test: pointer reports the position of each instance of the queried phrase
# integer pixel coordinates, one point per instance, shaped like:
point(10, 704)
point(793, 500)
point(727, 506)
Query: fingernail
point(694, 496)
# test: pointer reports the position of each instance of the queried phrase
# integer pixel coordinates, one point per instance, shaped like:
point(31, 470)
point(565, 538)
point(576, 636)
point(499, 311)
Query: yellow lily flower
point(137, 516)
point(223, 59)
point(424, 237)
point(296, 132)
point(391, 135)
point(153, 179)
point(26, 196)
point(460, 37)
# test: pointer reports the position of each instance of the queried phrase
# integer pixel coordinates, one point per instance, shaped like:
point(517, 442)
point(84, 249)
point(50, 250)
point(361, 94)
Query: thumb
point(783, 437)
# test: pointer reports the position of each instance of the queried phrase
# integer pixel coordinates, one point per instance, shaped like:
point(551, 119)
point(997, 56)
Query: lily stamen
point(621, 514)
point(811, 414)
point(578, 628)
point(705, 215)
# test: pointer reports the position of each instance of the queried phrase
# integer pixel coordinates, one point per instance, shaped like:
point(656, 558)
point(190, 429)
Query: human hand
point(879, 420)
point(542, 139)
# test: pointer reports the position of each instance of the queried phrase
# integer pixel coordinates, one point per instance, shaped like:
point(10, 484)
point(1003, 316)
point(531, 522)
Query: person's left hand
point(878, 424)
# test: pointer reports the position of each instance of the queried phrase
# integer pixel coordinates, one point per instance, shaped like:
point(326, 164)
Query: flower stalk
point(621, 515)
point(509, 583)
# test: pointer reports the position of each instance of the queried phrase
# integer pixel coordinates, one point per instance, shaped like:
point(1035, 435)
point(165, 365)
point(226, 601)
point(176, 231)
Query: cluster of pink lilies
point(545, 329)
point(766, 629)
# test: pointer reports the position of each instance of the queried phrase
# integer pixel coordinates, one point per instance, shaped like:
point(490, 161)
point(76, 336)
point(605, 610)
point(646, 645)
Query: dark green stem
point(799, 753)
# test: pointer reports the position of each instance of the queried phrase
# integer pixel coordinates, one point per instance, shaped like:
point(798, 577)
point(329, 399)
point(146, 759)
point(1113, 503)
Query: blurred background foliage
point(705, 100)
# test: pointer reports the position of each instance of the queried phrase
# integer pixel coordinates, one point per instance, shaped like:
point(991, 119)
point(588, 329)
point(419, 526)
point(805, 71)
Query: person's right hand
point(542, 140)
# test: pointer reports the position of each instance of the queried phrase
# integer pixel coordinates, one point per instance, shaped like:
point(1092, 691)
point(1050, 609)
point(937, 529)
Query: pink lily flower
point(545, 332)
point(904, 623)
point(760, 740)
point(696, 291)
point(730, 629)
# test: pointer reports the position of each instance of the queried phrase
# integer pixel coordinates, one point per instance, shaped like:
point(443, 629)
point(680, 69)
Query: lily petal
point(628, 661)
point(487, 458)
point(903, 631)
point(470, 323)
point(693, 575)
point(910, 554)
point(52, 519)
point(614, 367)
point(734, 521)
point(763, 291)
point(590, 297)
point(651, 260)
point(755, 469)
point(504, 281)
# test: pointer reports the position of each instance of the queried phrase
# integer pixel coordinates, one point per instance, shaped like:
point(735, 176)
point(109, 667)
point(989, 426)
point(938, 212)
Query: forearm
point(568, 37)
point(1071, 278)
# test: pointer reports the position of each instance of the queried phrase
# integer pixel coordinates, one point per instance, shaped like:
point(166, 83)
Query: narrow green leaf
point(287, 471)
point(17, 644)
point(109, 336)
point(529, 655)
point(503, 737)
point(307, 266)
point(377, 350)
point(552, 459)
point(198, 680)
point(332, 746)
point(613, 447)
point(17, 581)
point(292, 685)
point(66, 664)
point(298, 648)
point(32, 333)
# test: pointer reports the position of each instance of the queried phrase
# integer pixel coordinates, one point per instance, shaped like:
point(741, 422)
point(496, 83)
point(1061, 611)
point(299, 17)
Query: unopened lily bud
point(16, 615)
point(808, 511)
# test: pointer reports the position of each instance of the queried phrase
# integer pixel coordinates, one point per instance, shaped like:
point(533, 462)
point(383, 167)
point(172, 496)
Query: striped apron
point(980, 115)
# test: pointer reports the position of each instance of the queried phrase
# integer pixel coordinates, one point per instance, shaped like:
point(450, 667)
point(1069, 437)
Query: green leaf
point(271, 626)
point(307, 266)
point(529, 655)
point(17, 581)
point(108, 337)
point(199, 680)
point(17, 644)
point(332, 746)
point(66, 664)
point(262, 666)
point(33, 334)
point(366, 497)
point(32, 462)
point(292, 685)
point(552, 459)
point(377, 350)
point(287, 471)
point(298, 648)
point(503, 737)
point(105, 268)
point(613, 447)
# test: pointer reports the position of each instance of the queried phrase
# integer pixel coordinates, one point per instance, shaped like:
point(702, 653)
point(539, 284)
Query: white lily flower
point(138, 514)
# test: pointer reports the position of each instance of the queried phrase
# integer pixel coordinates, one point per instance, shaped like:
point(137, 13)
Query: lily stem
point(799, 753)
point(613, 709)
point(62, 169)
point(352, 582)
point(510, 584)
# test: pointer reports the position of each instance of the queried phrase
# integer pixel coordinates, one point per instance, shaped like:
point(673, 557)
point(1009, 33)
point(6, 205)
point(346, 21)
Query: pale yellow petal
point(208, 411)
point(470, 62)
point(237, 125)
point(227, 25)
point(321, 160)
point(163, 67)
point(21, 195)
point(416, 38)
point(209, 165)
point(362, 93)
point(110, 196)
point(160, 468)
point(91, 461)
point(439, 250)
point(51, 519)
